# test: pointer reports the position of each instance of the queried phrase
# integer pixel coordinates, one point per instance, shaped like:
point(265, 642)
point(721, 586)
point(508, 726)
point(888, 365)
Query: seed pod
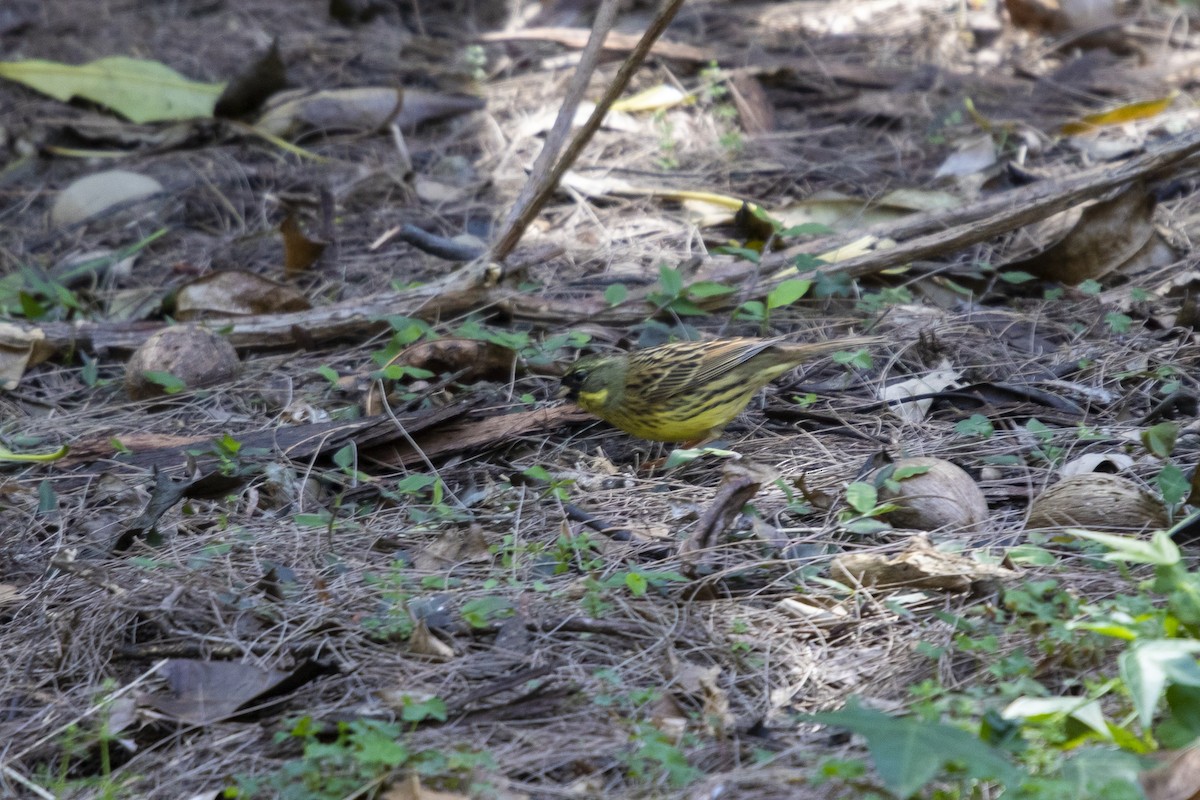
point(944, 497)
point(1097, 500)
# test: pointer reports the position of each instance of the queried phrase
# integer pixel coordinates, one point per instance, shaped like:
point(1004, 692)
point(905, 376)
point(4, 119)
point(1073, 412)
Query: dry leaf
point(350, 110)
point(920, 566)
point(95, 194)
point(973, 155)
point(944, 377)
point(299, 251)
point(475, 358)
point(236, 293)
point(20, 348)
point(1176, 779)
point(1107, 235)
point(655, 98)
point(411, 789)
point(203, 692)
point(1120, 115)
point(360, 109)
point(424, 643)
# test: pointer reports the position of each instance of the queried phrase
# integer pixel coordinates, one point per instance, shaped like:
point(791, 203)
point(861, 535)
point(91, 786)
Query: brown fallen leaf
point(236, 293)
point(299, 251)
point(479, 359)
point(1177, 778)
point(920, 566)
point(20, 348)
point(1107, 235)
point(411, 789)
point(203, 692)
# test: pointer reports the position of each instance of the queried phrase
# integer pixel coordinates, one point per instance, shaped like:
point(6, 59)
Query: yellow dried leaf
point(1120, 115)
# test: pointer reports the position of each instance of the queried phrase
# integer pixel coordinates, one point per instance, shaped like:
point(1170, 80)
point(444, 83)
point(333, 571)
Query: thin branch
point(545, 185)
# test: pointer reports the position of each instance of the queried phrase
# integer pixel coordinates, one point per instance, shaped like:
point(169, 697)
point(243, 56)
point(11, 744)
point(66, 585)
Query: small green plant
point(356, 758)
point(668, 148)
point(975, 425)
point(680, 299)
point(876, 302)
point(482, 611)
point(1118, 322)
point(391, 620)
point(427, 501)
point(715, 94)
point(83, 747)
point(1173, 484)
point(783, 295)
point(1045, 449)
point(865, 509)
point(653, 754)
point(474, 57)
point(232, 457)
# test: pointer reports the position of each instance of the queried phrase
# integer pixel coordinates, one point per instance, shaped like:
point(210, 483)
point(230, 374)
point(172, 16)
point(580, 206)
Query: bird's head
point(595, 382)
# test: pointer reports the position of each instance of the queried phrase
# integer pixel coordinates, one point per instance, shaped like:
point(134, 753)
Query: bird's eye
point(577, 377)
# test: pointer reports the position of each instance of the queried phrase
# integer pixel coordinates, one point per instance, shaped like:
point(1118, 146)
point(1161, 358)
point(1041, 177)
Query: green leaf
point(702, 289)
point(1172, 484)
point(671, 281)
point(1160, 439)
point(141, 91)
point(975, 425)
point(480, 611)
point(1118, 322)
point(636, 583)
point(1016, 276)
point(346, 456)
point(788, 292)
point(1090, 287)
point(615, 294)
point(169, 383)
point(806, 262)
point(1102, 773)
point(1031, 554)
point(414, 711)
point(1160, 550)
point(862, 497)
point(751, 309)
point(806, 229)
point(681, 456)
point(867, 526)
point(908, 471)
point(538, 473)
point(909, 753)
point(1147, 666)
point(415, 483)
point(1040, 709)
point(1184, 702)
point(860, 358)
point(375, 749)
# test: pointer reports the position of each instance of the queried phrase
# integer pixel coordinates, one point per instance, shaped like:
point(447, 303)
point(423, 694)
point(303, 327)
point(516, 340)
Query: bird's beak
point(564, 392)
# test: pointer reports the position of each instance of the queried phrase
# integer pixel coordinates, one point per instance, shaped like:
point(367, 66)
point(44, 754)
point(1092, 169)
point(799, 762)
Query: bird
point(686, 391)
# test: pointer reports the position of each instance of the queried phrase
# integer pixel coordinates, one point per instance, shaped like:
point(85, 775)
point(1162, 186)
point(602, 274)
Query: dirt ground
point(210, 583)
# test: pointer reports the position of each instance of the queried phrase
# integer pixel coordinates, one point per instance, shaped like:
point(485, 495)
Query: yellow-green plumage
point(686, 391)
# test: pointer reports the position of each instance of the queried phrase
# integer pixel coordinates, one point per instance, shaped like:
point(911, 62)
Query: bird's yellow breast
point(671, 422)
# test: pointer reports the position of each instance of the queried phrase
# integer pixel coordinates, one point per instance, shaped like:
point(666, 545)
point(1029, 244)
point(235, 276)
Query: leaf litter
point(461, 541)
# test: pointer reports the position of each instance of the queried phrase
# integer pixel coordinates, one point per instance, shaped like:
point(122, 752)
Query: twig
point(531, 199)
point(541, 184)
